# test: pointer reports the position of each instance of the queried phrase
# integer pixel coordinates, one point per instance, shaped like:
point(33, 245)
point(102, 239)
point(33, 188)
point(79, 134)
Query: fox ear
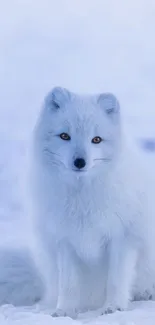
point(109, 103)
point(57, 97)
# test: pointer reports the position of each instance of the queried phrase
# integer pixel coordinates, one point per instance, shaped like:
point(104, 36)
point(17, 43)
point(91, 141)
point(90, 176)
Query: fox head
point(78, 134)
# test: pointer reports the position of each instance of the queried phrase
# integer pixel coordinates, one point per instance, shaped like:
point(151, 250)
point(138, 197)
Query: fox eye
point(96, 140)
point(65, 136)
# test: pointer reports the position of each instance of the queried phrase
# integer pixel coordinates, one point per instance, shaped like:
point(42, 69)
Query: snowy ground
point(140, 314)
point(87, 46)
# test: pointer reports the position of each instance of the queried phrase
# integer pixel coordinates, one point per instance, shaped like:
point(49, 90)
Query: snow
point(87, 46)
point(140, 314)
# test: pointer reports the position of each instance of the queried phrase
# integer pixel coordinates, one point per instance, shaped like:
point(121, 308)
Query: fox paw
point(111, 308)
point(65, 313)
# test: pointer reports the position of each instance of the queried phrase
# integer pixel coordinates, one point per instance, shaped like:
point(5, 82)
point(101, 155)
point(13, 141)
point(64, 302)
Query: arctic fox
point(90, 207)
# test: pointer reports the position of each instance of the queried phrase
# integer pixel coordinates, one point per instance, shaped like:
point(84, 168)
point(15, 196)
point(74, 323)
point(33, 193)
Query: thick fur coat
point(91, 207)
point(94, 222)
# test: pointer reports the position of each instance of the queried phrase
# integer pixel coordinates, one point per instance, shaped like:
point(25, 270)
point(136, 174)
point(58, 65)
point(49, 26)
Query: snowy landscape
point(86, 46)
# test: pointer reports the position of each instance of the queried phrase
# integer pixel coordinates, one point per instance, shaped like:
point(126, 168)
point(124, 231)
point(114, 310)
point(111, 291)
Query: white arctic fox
point(90, 207)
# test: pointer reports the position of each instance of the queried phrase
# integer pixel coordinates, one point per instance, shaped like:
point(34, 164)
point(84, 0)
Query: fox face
point(79, 134)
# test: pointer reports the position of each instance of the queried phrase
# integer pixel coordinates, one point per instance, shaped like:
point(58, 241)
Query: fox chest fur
point(80, 213)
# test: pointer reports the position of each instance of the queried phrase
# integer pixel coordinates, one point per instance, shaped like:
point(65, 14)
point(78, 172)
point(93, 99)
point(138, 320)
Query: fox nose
point(79, 163)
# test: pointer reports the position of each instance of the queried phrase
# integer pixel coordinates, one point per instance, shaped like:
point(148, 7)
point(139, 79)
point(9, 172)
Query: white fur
point(20, 283)
point(94, 229)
